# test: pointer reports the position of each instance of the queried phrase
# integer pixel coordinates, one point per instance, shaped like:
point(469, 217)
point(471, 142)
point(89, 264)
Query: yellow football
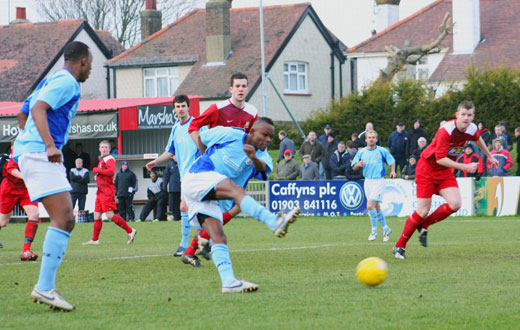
point(372, 271)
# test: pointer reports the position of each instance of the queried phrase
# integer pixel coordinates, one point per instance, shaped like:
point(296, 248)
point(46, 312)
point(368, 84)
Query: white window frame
point(422, 71)
point(153, 75)
point(292, 68)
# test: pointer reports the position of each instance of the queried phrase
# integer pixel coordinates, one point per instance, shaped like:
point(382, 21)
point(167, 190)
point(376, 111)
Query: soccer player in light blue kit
point(184, 148)
point(232, 157)
point(38, 152)
point(372, 159)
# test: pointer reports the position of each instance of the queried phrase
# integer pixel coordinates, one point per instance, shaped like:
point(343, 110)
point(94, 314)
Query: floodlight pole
point(262, 50)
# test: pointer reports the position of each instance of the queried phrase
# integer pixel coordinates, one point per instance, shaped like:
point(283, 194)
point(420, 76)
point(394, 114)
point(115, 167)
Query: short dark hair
point(180, 99)
point(266, 120)
point(238, 75)
point(75, 51)
point(282, 133)
point(466, 105)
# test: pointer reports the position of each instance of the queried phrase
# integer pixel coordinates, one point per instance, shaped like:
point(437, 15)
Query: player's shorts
point(10, 197)
point(430, 182)
point(44, 178)
point(105, 203)
point(195, 187)
point(374, 189)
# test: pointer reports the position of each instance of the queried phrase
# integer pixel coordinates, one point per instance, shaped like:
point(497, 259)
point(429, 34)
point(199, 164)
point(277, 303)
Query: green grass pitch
point(468, 278)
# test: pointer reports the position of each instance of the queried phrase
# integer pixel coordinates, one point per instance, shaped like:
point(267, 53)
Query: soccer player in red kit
point(13, 191)
point(106, 195)
point(434, 174)
point(234, 112)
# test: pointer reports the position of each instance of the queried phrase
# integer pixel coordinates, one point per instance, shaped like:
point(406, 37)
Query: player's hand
point(150, 165)
point(393, 175)
point(361, 163)
point(471, 167)
point(250, 151)
point(54, 154)
point(493, 162)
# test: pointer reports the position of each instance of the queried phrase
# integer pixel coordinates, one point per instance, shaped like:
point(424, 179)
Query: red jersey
point(448, 142)
point(106, 170)
point(226, 114)
point(14, 182)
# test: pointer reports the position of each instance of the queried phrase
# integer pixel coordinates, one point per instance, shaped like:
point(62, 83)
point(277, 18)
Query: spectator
point(126, 187)
point(156, 198)
point(312, 147)
point(509, 138)
point(339, 161)
point(79, 178)
point(413, 136)
point(368, 126)
point(397, 142)
point(288, 168)
point(351, 149)
point(309, 170)
point(332, 145)
point(408, 172)
point(498, 135)
point(285, 144)
point(69, 158)
point(172, 181)
point(483, 131)
point(421, 145)
point(357, 142)
point(83, 155)
point(470, 156)
point(323, 140)
point(505, 162)
point(113, 147)
point(517, 135)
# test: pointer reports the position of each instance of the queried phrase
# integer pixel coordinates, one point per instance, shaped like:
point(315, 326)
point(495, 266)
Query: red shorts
point(10, 197)
point(105, 203)
point(430, 182)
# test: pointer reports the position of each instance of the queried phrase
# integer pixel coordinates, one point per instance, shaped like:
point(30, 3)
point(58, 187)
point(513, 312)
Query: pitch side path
point(467, 278)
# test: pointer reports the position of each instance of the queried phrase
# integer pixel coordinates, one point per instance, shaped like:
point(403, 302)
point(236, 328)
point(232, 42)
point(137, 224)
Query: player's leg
point(382, 221)
point(372, 214)
point(7, 204)
point(31, 209)
point(185, 230)
point(452, 205)
point(98, 222)
point(121, 223)
point(202, 238)
point(423, 207)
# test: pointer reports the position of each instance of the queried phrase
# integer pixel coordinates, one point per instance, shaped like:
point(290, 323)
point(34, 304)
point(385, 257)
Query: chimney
point(466, 32)
point(20, 16)
point(218, 36)
point(151, 19)
point(387, 13)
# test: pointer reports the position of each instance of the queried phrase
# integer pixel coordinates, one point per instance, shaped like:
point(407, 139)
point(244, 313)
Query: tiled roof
point(110, 42)
point(185, 39)
point(499, 22)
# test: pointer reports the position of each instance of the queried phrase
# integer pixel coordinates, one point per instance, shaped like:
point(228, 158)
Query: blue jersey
point(374, 160)
point(225, 155)
point(182, 145)
point(61, 92)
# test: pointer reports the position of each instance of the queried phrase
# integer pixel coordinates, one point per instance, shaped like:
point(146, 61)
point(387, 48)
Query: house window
point(295, 77)
point(421, 69)
point(160, 81)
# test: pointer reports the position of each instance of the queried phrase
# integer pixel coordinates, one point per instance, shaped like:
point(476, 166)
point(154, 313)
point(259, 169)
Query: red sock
point(193, 246)
point(441, 213)
point(98, 224)
point(226, 217)
point(409, 227)
point(30, 231)
point(121, 223)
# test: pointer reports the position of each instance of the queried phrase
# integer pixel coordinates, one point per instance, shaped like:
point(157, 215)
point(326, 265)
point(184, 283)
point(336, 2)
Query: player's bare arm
point(164, 156)
point(359, 164)
point(393, 175)
point(16, 173)
point(257, 162)
point(195, 135)
point(446, 162)
point(39, 112)
point(22, 119)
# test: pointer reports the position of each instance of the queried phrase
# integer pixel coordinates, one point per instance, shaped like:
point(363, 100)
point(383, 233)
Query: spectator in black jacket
point(408, 172)
point(470, 156)
point(156, 198)
point(361, 142)
point(126, 186)
point(79, 178)
point(339, 161)
point(352, 174)
point(483, 131)
point(397, 142)
point(331, 147)
point(83, 155)
point(508, 136)
point(517, 135)
point(421, 145)
point(413, 135)
point(172, 184)
point(285, 144)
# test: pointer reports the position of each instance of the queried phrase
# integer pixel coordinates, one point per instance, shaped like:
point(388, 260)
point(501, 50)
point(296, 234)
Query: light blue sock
point(382, 221)
point(220, 256)
point(54, 247)
point(257, 211)
point(373, 219)
point(185, 229)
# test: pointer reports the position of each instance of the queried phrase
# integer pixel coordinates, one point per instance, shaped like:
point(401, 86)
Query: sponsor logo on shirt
point(455, 151)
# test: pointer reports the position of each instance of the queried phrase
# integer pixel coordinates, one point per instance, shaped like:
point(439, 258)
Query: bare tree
point(399, 57)
point(120, 17)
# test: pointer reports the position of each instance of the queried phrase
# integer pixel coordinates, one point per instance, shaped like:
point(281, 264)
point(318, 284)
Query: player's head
point(465, 114)
point(79, 163)
point(238, 87)
point(181, 106)
point(261, 134)
point(77, 54)
point(104, 148)
point(371, 138)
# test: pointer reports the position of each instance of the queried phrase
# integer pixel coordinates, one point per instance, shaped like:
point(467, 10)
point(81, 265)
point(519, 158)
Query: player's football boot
point(205, 251)
point(51, 298)
point(399, 253)
point(191, 260)
point(131, 236)
point(283, 220)
point(423, 237)
point(386, 235)
point(373, 236)
point(28, 256)
point(201, 240)
point(179, 252)
point(239, 286)
point(91, 242)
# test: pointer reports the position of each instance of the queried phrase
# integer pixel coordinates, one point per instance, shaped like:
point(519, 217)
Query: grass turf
point(467, 278)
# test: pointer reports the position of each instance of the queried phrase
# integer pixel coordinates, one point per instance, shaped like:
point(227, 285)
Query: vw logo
point(351, 195)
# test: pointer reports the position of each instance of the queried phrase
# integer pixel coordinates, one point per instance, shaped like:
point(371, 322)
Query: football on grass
point(371, 271)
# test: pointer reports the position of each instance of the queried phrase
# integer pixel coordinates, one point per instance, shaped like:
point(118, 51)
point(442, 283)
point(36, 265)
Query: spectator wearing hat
point(288, 168)
point(126, 186)
point(408, 172)
point(324, 140)
point(413, 136)
point(309, 170)
point(339, 161)
point(311, 146)
point(332, 146)
point(79, 178)
point(470, 156)
point(285, 144)
point(397, 142)
point(505, 161)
